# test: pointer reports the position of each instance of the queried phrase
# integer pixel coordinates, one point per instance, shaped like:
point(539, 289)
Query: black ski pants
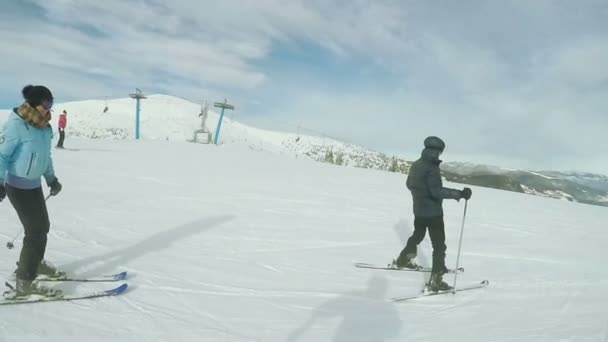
point(61, 137)
point(31, 209)
point(436, 230)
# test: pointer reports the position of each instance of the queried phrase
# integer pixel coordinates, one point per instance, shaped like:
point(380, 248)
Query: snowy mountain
point(588, 179)
point(162, 118)
point(468, 169)
point(174, 119)
point(245, 245)
point(575, 187)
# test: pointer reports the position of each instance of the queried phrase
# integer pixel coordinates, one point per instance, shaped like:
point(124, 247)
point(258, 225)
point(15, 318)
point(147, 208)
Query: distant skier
point(428, 193)
point(63, 121)
point(25, 157)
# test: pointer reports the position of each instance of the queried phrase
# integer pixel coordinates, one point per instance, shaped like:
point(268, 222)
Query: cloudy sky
point(513, 83)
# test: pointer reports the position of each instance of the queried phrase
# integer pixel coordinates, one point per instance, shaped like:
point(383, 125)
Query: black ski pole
point(11, 244)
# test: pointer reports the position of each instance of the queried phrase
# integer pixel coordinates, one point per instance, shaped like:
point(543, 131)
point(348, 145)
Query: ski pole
point(11, 243)
point(464, 216)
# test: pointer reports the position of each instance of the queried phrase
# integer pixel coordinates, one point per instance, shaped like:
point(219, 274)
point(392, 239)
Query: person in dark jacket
point(428, 193)
point(25, 157)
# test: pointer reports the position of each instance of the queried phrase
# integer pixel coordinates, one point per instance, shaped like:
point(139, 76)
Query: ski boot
point(437, 284)
point(24, 288)
point(45, 270)
point(48, 270)
point(407, 262)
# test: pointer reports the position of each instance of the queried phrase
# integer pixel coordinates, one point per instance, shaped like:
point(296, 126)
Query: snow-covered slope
point(234, 244)
point(170, 118)
point(162, 117)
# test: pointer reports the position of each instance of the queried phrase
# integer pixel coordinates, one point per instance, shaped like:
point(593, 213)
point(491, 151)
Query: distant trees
point(339, 158)
point(394, 167)
point(329, 156)
point(380, 162)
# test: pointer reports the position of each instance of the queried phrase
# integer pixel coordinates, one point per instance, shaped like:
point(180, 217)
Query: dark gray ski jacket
point(424, 182)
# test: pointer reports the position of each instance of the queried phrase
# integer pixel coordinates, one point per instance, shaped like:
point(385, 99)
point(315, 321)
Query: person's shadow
point(365, 315)
point(109, 262)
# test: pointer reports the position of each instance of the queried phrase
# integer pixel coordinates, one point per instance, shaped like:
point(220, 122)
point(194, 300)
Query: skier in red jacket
point(63, 121)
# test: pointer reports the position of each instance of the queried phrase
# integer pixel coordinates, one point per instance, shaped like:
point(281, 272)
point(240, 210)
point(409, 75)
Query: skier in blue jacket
point(25, 157)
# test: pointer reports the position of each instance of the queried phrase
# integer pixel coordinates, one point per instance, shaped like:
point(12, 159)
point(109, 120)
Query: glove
point(55, 187)
point(2, 193)
point(466, 193)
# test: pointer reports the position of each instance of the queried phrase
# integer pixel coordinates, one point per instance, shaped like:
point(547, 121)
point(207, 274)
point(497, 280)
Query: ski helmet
point(434, 143)
point(38, 95)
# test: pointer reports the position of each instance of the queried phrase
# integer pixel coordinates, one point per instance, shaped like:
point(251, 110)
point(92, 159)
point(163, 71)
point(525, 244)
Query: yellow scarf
point(32, 116)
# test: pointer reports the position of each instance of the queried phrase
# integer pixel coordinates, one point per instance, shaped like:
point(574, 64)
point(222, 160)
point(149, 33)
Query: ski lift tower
point(223, 105)
point(138, 95)
point(203, 130)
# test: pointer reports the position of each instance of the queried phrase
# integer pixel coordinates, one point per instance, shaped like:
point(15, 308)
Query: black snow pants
point(436, 229)
point(31, 209)
point(61, 138)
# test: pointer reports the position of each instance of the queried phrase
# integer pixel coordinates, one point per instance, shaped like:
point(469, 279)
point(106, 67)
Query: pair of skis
point(66, 297)
point(394, 268)
point(424, 293)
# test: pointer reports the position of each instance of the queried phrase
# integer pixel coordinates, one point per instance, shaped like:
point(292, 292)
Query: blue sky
point(513, 83)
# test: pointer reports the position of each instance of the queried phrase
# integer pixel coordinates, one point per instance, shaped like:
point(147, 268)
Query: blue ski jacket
point(25, 153)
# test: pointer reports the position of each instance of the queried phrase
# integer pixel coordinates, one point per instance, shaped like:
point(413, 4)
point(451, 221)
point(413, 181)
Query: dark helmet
point(434, 143)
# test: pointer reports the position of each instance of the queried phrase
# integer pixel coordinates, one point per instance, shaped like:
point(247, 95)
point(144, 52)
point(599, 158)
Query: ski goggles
point(47, 104)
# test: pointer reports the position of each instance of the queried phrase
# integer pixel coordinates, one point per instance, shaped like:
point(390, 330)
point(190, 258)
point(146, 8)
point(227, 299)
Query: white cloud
point(206, 43)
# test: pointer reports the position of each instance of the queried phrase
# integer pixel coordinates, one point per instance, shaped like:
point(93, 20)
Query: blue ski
point(40, 299)
point(103, 278)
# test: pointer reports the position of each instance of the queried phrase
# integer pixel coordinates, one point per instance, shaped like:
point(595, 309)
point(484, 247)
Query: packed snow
point(230, 243)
